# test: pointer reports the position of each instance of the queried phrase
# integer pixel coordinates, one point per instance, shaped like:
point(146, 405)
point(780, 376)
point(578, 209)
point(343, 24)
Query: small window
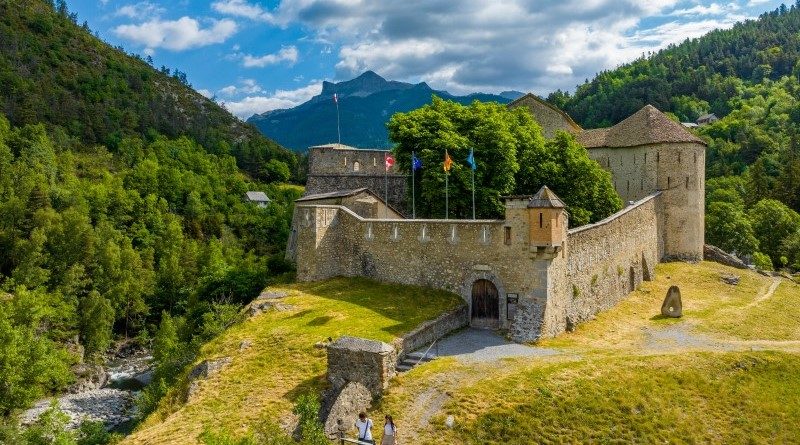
point(641, 187)
point(634, 158)
point(507, 238)
point(356, 166)
point(679, 157)
point(628, 189)
point(345, 161)
point(669, 182)
point(658, 156)
point(374, 161)
point(541, 221)
point(687, 182)
point(695, 158)
point(645, 158)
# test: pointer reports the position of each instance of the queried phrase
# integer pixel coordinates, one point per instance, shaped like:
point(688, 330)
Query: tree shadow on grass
point(320, 321)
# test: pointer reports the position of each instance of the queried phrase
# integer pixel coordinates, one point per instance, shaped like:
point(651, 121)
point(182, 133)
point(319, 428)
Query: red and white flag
point(335, 98)
point(389, 162)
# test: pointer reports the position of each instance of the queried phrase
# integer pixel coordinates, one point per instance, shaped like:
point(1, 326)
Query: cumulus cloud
point(251, 105)
point(245, 86)
point(475, 45)
point(176, 35)
point(286, 54)
point(206, 93)
point(140, 11)
point(241, 8)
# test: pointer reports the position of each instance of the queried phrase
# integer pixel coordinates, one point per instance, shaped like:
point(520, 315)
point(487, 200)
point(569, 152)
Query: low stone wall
point(609, 259)
point(369, 362)
point(432, 330)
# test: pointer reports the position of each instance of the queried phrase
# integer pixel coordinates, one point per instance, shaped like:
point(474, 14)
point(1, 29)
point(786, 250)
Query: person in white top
point(389, 432)
point(364, 425)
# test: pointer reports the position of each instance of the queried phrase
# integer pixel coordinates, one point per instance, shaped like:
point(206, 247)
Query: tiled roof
point(545, 198)
point(646, 126)
point(593, 138)
point(257, 197)
point(334, 194)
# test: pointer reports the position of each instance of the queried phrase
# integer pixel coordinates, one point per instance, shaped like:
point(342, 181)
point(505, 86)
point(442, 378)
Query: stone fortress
point(527, 273)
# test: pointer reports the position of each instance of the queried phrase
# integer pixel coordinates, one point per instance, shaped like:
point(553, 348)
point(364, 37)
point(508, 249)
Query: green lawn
point(282, 363)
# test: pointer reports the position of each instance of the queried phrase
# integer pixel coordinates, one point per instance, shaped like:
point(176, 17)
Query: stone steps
point(414, 358)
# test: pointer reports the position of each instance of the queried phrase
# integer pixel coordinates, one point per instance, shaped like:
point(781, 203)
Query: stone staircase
point(413, 359)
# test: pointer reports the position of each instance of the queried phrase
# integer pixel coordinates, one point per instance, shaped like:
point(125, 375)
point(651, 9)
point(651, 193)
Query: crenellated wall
point(595, 267)
point(609, 259)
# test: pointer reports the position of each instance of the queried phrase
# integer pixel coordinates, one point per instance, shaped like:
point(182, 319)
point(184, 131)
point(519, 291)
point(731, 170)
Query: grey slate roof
point(335, 194)
point(545, 198)
point(646, 126)
point(257, 197)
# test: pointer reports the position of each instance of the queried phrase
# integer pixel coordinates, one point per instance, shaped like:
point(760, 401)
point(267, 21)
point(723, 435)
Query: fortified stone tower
point(548, 221)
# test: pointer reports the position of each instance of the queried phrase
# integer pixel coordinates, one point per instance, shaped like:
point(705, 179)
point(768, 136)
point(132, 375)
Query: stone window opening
point(634, 158)
point(541, 220)
point(345, 161)
point(485, 235)
point(374, 161)
point(658, 157)
point(679, 158)
point(645, 158)
point(641, 186)
point(687, 182)
point(669, 182)
point(628, 187)
point(695, 158)
point(356, 166)
point(453, 239)
point(507, 237)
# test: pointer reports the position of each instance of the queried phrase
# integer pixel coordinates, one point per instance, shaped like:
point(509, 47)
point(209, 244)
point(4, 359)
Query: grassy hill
point(56, 72)
point(724, 373)
point(264, 380)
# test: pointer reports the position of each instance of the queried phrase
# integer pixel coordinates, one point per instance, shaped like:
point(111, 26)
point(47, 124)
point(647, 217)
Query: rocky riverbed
point(102, 393)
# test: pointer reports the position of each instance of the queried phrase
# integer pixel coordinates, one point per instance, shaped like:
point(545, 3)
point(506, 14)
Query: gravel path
point(480, 345)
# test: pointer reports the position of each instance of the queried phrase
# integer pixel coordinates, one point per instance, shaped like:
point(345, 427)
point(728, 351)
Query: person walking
point(364, 425)
point(389, 432)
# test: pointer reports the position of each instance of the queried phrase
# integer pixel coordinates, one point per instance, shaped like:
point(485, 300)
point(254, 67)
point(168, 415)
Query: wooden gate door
point(485, 304)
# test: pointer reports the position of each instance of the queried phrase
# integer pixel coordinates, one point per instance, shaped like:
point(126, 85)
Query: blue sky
point(258, 55)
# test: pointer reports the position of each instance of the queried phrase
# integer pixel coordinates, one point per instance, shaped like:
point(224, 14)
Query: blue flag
point(416, 163)
point(471, 159)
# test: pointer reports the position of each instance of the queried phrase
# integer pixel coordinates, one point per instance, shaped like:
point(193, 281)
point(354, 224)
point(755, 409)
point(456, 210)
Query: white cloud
point(251, 105)
point(475, 45)
point(286, 54)
point(177, 35)
point(140, 11)
point(246, 86)
point(241, 8)
point(207, 93)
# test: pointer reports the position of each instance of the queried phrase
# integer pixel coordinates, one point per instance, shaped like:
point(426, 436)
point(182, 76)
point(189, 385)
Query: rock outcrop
point(713, 253)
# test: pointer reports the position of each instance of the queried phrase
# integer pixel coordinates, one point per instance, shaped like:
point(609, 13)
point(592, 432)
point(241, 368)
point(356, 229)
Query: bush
point(762, 261)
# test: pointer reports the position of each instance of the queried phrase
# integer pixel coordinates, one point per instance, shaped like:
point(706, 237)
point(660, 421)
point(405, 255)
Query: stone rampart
point(368, 362)
point(609, 259)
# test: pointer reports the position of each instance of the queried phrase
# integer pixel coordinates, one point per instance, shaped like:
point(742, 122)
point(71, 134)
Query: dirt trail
point(776, 281)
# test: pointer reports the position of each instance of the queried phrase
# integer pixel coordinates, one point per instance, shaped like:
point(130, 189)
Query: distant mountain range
point(365, 105)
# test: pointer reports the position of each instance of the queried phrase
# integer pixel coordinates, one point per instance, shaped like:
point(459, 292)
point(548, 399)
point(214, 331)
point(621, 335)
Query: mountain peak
point(368, 82)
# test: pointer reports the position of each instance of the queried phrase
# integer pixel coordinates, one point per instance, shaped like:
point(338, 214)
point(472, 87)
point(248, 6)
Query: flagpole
point(413, 192)
point(446, 195)
point(473, 193)
point(338, 128)
point(386, 187)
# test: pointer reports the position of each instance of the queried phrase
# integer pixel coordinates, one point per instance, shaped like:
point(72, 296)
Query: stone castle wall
point(609, 259)
point(442, 254)
point(596, 266)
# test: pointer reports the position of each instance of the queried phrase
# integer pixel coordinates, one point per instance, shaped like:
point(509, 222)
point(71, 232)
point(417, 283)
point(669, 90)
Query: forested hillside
point(749, 76)
point(56, 72)
point(122, 211)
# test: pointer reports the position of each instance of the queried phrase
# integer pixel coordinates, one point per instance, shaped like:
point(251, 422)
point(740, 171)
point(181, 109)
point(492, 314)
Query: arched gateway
point(485, 304)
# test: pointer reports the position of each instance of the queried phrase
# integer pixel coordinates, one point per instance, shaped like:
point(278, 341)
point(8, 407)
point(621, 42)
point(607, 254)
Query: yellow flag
point(447, 161)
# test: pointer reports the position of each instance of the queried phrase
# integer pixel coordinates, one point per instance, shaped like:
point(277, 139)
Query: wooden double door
point(485, 304)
